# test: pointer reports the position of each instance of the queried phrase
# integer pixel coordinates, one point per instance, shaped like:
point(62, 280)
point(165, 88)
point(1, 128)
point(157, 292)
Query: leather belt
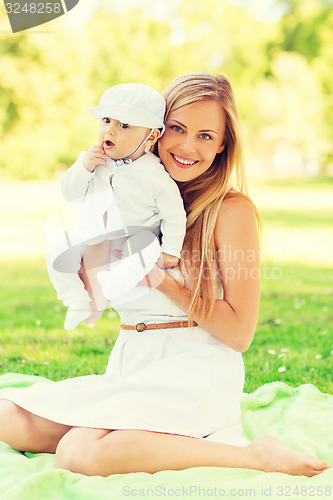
point(141, 327)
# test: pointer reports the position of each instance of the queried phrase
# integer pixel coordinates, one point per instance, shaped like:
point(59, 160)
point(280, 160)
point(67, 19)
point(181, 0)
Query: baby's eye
point(106, 120)
point(123, 125)
point(206, 137)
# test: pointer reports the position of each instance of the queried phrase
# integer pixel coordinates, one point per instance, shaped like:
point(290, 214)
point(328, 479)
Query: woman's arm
point(234, 319)
point(172, 214)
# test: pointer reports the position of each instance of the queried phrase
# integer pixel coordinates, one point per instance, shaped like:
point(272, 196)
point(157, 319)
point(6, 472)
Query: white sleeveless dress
point(176, 381)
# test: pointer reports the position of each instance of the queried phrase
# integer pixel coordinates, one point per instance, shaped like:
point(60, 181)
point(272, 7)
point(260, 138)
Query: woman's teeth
point(183, 161)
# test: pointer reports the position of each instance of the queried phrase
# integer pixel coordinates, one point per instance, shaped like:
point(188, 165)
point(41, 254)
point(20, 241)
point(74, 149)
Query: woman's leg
point(102, 452)
point(25, 431)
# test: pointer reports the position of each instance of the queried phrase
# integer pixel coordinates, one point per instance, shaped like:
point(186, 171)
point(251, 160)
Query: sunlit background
point(277, 54)
point(279, 57)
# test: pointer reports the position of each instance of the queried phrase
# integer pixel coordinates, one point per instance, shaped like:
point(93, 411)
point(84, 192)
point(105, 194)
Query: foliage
point(280, 72)
point(40, 91)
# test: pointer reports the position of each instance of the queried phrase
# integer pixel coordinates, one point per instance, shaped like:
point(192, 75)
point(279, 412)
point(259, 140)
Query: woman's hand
point(167, 261)
point(154, 278)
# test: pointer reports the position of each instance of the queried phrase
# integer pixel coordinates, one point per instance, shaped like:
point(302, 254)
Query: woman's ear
point(221, 148)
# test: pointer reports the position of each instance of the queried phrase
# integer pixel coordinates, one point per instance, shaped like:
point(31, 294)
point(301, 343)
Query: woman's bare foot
point(273, 456)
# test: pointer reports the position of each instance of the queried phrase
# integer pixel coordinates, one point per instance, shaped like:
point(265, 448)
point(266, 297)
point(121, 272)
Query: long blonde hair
point(204, 195)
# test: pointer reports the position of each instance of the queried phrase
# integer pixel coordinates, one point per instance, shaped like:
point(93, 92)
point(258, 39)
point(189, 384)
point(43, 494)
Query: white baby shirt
point(144, 193)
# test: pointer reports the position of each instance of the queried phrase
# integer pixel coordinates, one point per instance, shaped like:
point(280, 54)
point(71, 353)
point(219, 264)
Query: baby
point(124, 199)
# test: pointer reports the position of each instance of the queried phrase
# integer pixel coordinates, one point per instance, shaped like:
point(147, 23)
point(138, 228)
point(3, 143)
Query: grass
point(296, 315)
point(319, 219)
point(294, 331)
point(295, 183)
point(33, 340)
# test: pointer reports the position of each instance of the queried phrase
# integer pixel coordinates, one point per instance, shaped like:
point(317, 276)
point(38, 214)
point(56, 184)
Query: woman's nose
point(187, 145)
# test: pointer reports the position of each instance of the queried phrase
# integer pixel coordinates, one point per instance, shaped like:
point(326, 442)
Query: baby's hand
point(167, 261)
point(93, 157)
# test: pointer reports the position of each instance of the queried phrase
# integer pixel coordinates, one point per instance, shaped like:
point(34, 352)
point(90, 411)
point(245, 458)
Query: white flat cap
point(135, 104)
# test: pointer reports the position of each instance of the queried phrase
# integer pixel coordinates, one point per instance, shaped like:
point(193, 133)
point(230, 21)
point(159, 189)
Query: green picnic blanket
point(301, 418)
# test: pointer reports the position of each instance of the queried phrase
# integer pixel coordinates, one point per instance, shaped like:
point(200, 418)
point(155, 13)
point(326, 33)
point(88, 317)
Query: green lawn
point(295, 321)
point(294, 332)
point(33, 339)
point(297, 183)
point(287, 218)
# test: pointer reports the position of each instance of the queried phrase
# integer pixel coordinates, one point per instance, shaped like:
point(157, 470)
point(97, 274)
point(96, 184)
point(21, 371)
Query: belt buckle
point(140, 327)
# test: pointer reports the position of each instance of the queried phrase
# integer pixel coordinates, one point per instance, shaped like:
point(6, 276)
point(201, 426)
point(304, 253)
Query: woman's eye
point(176, 128)
point(205, 136)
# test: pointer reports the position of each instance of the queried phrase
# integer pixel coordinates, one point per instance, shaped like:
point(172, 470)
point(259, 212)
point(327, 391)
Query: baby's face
point(120, 140)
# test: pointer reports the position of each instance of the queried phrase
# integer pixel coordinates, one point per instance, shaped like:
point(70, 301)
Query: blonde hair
point(204, 195)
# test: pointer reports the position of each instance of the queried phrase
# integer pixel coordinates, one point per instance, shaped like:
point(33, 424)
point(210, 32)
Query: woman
point(170, 396)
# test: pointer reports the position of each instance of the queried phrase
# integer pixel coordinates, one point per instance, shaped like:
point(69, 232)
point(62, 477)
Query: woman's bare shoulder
point(236, 203)
point(236, 219)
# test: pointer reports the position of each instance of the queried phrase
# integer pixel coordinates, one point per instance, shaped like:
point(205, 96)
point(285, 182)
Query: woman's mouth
point(182, 162)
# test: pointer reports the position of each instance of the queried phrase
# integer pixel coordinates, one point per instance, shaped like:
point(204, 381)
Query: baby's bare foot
point(273, 456)
point(94, 316)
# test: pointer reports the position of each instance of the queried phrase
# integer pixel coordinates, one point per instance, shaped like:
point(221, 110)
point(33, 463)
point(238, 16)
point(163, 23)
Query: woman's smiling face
point(193, 136)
